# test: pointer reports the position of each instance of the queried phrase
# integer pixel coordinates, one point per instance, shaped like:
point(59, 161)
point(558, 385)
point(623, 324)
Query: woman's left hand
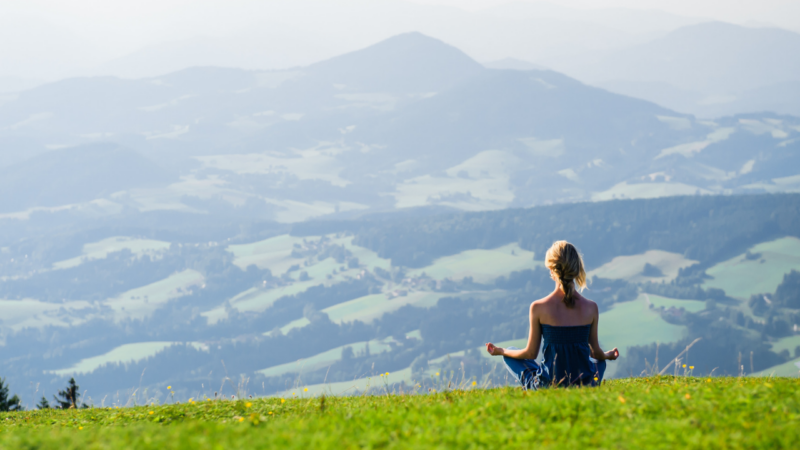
point(494, 351)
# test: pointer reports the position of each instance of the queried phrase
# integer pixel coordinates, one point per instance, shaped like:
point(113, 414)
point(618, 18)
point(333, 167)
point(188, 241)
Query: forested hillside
point(411, 293)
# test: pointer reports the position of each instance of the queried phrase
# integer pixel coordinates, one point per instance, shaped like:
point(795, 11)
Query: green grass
point(661, 412)
point(630, 267)
point(740, 277)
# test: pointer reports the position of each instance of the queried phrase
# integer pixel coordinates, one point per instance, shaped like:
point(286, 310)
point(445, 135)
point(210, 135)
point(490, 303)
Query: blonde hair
point(565, 261)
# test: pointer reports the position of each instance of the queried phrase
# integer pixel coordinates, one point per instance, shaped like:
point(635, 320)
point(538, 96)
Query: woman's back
point(552, 310)
point(567, 322)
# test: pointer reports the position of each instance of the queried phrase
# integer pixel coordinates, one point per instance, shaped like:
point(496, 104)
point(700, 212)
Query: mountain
point(714, 57)
point(512, 64)
point(779, 98)
point(75, 175)
point(408, 122)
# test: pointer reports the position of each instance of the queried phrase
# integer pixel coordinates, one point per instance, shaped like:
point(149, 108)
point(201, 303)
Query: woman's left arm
point(531, 351)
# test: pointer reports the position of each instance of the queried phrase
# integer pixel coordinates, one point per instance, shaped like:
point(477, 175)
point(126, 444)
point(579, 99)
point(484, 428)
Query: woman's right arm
point(594, 342)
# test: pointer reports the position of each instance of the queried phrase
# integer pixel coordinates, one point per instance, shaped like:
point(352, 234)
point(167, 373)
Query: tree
point(69, 396)
point(43, 403)
point(6, 403)
point(788, 292)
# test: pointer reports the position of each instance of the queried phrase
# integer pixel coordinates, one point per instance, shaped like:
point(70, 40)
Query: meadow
point(635, 413)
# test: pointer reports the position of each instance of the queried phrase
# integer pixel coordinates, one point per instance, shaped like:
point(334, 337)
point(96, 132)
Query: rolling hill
point(408, 122)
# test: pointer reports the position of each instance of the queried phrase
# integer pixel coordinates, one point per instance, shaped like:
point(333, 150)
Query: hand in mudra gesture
point(494, 351)
point(611, 355)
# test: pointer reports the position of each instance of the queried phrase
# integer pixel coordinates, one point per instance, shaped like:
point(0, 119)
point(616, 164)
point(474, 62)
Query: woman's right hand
point(611, 355)
point(494, 351)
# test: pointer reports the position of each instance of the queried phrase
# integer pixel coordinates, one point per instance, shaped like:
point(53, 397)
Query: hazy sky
point(728, 10)
point(49, 39)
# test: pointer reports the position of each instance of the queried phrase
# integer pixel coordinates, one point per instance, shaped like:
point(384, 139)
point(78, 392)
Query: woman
point(568, 323)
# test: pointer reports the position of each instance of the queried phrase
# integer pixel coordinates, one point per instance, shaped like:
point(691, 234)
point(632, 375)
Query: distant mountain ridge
point(707, 69)
point(408, 122)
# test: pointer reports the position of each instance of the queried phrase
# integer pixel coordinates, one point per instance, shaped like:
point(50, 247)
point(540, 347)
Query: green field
point(371, 307)
point(666, 302)
point(660, 412)
point(633, 323)
point(484, 266)
point(325, 359)
point(790, 368)
point(624, 190)
point(789, 343)
point(274, 254)
point(141, 302)
point(124, 354)
point(101, 249)
point(741, 277)
point(30, 313)
point(630, 267)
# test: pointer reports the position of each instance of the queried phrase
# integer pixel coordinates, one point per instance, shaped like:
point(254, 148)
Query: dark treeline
point(704, 228)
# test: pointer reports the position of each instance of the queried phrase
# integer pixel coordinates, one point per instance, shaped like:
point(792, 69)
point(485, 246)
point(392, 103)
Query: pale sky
point(50, 39)
point(726, 10)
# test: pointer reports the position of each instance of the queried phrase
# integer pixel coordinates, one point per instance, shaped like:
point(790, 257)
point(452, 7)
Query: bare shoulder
point(589, 304)
point(539, 304)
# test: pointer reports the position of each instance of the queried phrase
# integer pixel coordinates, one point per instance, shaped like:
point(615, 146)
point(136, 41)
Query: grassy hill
point(657, 412)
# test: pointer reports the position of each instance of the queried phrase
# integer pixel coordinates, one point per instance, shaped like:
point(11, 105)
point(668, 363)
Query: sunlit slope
point(483, 266)
point(631, 267)
point(101, 249)
point(325, 359)
point(121, 355)
point(759, 271)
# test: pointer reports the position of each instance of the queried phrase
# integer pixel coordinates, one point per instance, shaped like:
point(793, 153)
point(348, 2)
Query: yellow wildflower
point(169, 387)
point(305, 389)
point(151, 412)
point(248, 404)
point(387, 374)
point(437, 374)
point(688, 396)
point(474, 383)
point(691, 367)
point(270, 413)
point(241, 419)
point(684, 366)
point(283, 401)
point(80, 428)
point(621, 399)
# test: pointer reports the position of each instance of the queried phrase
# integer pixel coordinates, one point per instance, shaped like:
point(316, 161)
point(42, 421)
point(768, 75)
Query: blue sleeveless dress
point(567, 361)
